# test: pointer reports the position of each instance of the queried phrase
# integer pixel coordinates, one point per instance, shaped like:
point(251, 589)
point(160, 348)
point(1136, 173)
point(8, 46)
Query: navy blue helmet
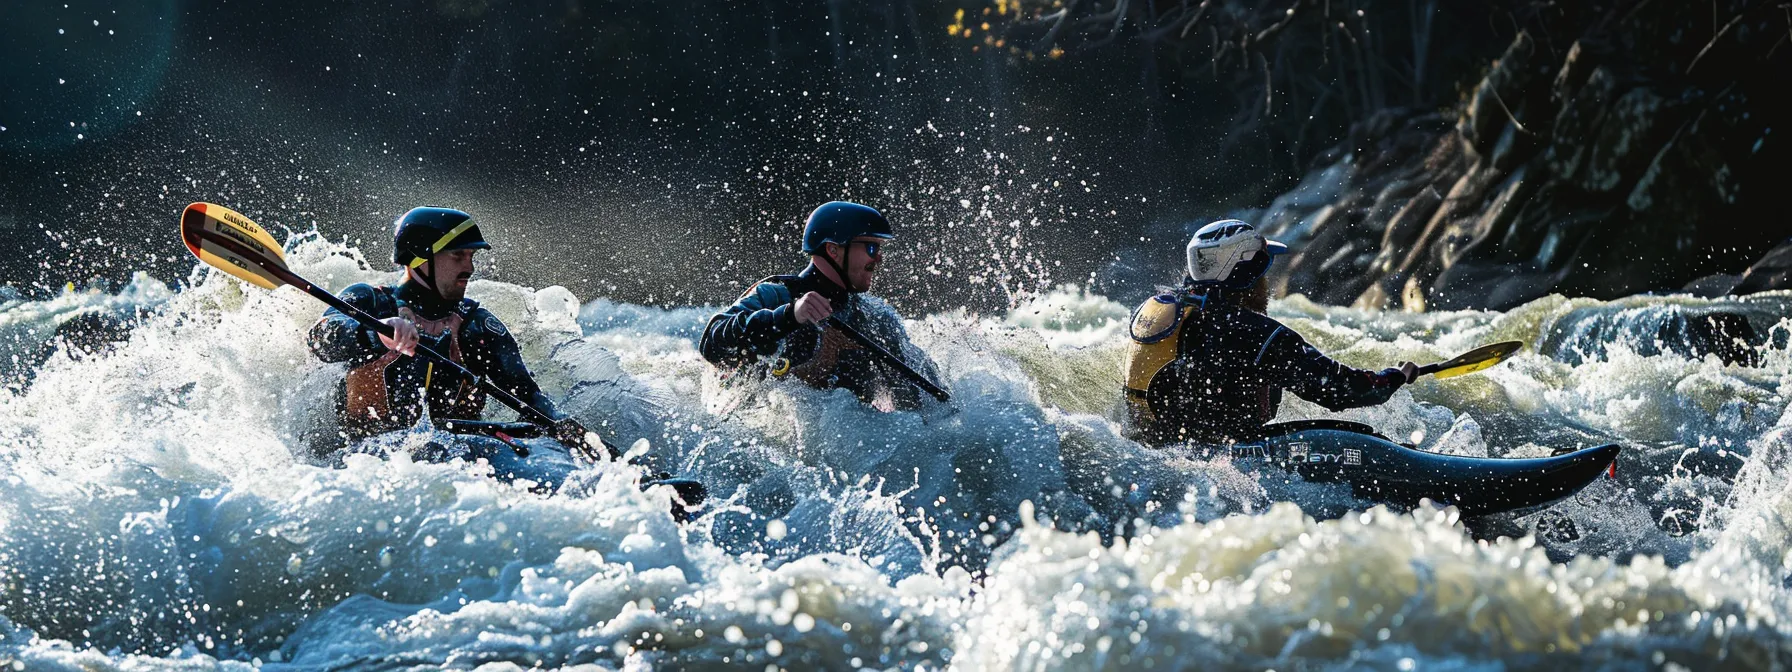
point(839, 222)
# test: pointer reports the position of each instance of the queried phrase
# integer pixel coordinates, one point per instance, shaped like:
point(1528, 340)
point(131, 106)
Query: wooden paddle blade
point(202, 226)
point(1478, 359)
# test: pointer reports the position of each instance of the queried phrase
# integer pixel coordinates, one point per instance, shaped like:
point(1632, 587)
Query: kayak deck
point(1380, 470)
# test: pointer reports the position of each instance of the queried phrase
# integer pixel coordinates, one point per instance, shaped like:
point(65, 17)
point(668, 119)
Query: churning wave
point(161, 505)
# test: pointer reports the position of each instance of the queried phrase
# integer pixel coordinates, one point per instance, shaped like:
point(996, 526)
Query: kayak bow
point(1380, 470)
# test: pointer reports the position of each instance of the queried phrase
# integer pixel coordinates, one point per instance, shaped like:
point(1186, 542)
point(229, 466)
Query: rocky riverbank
point(1630, 149)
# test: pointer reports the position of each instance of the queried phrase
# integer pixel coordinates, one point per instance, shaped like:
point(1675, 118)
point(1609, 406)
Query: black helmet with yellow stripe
point(424, 232)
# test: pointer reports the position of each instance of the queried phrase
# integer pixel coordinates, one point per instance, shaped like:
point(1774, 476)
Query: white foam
point(157, 510)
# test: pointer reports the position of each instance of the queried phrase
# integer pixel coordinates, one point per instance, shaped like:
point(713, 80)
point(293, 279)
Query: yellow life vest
point(1154, 332)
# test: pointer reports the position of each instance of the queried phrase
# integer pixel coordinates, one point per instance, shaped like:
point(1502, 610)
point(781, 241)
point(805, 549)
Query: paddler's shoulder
point(366, 296)
point(362, 289)
point(1241, 320)
point(1157, 318)
point(771, 292)
point(779, 280)
point(478, 318)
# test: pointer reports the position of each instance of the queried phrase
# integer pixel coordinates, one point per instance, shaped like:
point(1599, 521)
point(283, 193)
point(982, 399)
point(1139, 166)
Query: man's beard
point(455, 291)
point(869, 272)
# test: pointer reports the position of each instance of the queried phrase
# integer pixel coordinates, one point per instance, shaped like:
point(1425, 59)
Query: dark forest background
point(665, 152)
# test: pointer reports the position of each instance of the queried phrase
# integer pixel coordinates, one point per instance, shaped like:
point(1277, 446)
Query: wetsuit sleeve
point(339, 338)
point(500, 360)
point(752, 327)
point(1291, 363)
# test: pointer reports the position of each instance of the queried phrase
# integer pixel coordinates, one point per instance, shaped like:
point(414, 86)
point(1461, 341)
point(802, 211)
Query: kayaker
point(1205, 364)
point(387, 385)
point(779, 326)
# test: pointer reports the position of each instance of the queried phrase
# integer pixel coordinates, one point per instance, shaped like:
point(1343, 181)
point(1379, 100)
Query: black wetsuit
point(1231, 367)
point(760, 333)
point(384, 385)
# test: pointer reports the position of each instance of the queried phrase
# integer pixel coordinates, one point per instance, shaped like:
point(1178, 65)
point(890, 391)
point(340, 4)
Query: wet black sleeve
point(750, 328)
point(339, 338)
point(500, 360)
point(1292, 364)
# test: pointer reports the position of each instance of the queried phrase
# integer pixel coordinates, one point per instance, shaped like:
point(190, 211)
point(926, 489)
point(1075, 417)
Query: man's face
point(452, 271)
point(863, 257)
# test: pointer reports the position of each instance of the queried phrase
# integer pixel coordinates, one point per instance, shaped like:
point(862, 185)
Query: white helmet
point(1230, 253)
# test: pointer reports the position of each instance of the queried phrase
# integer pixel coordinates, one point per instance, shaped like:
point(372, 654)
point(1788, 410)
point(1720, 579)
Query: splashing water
point(161, 506)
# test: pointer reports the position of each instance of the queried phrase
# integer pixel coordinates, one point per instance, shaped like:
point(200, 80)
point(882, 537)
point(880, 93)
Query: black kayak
point(1380, 470)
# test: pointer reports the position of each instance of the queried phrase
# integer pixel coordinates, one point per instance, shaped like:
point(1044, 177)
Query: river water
point(160, 509)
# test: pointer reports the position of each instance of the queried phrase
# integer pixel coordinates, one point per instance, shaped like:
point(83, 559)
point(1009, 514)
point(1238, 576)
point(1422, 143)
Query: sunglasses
point(872, 248)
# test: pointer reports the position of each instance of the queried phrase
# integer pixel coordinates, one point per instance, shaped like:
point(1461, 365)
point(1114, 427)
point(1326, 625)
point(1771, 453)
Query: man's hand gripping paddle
point(228, 241)
point(1474, 360)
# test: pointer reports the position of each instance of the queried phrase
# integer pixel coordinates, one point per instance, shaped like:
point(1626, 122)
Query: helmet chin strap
point(428, 277)
point(840, 271)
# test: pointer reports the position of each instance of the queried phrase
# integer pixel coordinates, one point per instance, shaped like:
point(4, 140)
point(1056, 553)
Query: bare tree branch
point(1269, 87)
point(1269, 33)
point(1720, 33)
point(1058, 19)
point(1117, 15)
point(1202, 11)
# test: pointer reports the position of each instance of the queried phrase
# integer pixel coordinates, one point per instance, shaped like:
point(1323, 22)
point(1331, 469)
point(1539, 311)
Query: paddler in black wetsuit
point(1205, 364)
point(387, 385)
point(779, 326)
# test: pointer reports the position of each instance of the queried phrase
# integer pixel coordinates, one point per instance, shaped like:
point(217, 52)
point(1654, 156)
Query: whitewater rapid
point(161, 508)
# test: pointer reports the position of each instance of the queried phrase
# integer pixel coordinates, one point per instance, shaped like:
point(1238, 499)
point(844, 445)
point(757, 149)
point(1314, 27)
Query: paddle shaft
point(913, 375)
point(532, 414)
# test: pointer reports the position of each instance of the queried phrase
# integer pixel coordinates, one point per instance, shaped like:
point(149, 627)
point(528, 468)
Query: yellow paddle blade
point(1465, 369)
point(232, 243)
point(1478, 359)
